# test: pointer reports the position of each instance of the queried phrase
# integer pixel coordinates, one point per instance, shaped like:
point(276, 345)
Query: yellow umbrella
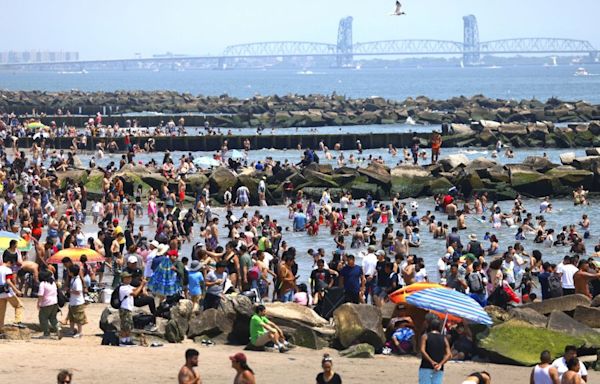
point(6, 237)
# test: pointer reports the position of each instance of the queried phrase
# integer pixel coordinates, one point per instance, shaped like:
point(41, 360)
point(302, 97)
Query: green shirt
point(256, 327)
point(246, 261)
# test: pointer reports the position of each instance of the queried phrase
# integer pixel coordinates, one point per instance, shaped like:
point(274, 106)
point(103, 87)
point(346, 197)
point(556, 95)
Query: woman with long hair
point(244, 374)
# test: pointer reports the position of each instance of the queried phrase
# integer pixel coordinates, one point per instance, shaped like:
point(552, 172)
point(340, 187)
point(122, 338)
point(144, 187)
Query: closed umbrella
point(36, 125)
point(450, 302)
point(75, 254)
point(206, 162)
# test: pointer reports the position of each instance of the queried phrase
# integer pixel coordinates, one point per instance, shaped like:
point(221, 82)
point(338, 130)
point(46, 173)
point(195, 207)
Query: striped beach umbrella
point(450, 302)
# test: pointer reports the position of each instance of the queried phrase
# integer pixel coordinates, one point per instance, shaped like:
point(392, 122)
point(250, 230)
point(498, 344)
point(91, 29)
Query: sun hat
point(132, 259)
point(195, 265)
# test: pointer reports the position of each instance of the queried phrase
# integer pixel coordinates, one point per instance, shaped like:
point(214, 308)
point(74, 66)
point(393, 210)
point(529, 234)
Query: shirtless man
point(451, 209)
point(572, 375)
point(187, 375)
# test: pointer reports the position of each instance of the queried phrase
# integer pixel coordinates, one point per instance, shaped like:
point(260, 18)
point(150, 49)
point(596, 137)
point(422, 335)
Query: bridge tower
point(471, 55)
point(344, 42)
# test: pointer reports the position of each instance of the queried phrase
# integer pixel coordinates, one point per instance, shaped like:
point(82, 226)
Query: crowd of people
point(373, 252)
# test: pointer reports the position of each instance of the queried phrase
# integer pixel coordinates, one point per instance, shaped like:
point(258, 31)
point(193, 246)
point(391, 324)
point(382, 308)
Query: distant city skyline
point(120, 29)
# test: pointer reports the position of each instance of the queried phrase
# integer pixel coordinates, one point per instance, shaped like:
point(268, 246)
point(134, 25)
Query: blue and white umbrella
point(450, 302)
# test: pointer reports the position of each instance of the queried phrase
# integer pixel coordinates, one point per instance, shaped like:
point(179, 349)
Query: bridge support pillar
point(471, 48)
point(344, 43)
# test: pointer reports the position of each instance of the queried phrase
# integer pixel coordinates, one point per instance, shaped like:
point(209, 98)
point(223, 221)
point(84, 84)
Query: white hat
point(154, 243)
point(162, 249)
point(473, 237)
point(132, 259)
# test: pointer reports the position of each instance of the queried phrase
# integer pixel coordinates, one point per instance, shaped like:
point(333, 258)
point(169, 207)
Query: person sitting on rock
point(263, 331)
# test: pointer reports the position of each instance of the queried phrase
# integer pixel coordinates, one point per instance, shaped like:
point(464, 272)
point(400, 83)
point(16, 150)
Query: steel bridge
point(343, 52)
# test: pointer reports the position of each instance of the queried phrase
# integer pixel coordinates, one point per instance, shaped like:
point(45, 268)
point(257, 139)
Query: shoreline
point(38, 361)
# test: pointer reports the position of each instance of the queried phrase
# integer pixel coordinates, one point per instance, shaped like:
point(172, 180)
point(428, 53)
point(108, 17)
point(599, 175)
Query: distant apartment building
point(14, 57)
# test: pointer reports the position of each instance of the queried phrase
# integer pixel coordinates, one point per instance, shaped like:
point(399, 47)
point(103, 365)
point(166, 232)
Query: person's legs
point(43, 316)
point(425, 376)
point(142, 301)
point(2, 313)
point(437, 377)
point(18, 306)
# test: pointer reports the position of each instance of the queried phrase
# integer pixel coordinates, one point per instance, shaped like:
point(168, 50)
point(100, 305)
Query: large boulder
point(567, 158)
point(596, 302)
point(16, 334)
point(539, 163)
point(529, 315)
point(563, 323)
point(563, 304)
point(155, 180)
point(585, 162)
point(452, 161)
point(222, 179)
point(519, 343)
point(357, 323)
point(109, 320)
point(318, 179)
point(231, 320)
point(531, 183)
point(590, 316)
point(377, 174)
point(181, 314)
point(572, 178)
point(295, 312)
point(75, 176)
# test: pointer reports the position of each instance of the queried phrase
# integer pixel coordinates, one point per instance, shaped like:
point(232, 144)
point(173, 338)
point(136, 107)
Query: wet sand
point(38, 361)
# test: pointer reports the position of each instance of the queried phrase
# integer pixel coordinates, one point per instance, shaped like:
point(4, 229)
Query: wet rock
point(377, 173)
point(531, 183)
point(359, 324)
point(586, 162)
point(562, 304)
point(572, 178)
point(453, 161)
point(75, 176)
point(595, 302)
point(359, 351)
point(439, 185)
point(539, 163)
point(590, 316)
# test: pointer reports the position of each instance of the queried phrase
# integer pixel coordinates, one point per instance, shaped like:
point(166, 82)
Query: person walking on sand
point(48, 305)
point(8, 292)
point(435, 352)
point(187, 374)
point(244, 374)
point(544, 372)
point(328, 376)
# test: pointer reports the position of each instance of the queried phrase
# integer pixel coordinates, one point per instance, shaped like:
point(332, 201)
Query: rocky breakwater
point(535, 177)
point(539, 134)
point(300, 110)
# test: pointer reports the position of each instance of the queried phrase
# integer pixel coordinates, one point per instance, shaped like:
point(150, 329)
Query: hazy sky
point(119, 28)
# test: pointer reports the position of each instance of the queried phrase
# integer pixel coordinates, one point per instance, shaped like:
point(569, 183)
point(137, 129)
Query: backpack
point(61, 298)
point(115, 301)
point(554, 286)
point(475, 282)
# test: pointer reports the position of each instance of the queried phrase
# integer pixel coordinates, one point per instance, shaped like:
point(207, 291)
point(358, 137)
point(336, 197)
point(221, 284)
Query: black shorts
point(352, 297)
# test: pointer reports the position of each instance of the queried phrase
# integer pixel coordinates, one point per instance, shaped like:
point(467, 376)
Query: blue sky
point(119, 28)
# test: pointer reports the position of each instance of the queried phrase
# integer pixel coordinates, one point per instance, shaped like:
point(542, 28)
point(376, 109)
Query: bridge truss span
point(408, 47)
point(280, 48)
point(536, 45)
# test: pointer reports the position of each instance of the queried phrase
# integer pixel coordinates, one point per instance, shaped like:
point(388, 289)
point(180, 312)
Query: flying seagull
point(398, 10)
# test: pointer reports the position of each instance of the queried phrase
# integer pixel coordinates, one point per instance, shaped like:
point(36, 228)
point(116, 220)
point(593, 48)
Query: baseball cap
point(238, 358)
point(132, 259)
point(125, 274)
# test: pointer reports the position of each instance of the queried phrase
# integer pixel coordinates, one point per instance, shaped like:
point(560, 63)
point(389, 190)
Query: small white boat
point(581, 72)
point(306, 72)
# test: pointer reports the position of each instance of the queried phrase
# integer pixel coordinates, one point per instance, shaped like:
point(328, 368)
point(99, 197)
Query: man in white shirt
point(344, 203)
point(561, 363)
point(369, 266)
point(567, 270)
point(126, 294)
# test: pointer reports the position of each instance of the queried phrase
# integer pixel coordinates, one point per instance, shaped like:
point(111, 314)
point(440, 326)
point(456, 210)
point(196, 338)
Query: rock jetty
point(300, 110)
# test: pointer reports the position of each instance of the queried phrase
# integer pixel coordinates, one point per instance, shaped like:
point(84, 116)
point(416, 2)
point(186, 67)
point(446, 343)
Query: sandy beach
point(38, 361)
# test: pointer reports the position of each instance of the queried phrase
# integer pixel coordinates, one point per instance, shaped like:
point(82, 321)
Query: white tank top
point(542, 375)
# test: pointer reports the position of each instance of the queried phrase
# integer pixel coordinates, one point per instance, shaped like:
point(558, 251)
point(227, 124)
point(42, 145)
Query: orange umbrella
point(399, 296)
point(75, 254)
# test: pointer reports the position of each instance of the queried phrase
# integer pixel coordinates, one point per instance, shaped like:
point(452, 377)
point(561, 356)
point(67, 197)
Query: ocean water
point(394, 83)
